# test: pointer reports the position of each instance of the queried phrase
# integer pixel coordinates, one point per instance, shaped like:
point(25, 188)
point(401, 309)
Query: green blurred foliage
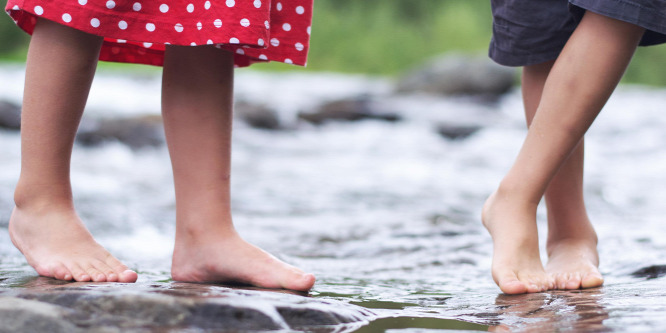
point(13, 41)
point(387, 37)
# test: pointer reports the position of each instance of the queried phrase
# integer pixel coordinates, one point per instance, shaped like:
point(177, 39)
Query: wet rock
point(257, 116)
point(650, 272)
point(459, 74)
point(10, 115)
point(20, 315)
point(348, 110)
point(457, 132)
point(50, 306)
point(136, 132)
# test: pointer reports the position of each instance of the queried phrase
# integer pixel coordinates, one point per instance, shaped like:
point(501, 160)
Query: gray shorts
point(528, 32)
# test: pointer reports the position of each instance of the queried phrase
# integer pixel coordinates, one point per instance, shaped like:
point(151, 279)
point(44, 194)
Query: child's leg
point(197, 98)
point(44, 226)
point(582, 79)
point(572, 241)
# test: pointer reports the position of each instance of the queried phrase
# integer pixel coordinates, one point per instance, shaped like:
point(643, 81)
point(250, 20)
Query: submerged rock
point(136, 132)
point(457, 132)
point(257, 116)
point(459, 74)
point(650, 272)
point(51, 306)
point(348, 110)
point(10, 115)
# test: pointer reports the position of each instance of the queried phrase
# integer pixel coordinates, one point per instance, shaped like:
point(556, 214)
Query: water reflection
point(575, 310)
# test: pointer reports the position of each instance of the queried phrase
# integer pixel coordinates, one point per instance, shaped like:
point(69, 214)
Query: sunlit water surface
point(385, 214)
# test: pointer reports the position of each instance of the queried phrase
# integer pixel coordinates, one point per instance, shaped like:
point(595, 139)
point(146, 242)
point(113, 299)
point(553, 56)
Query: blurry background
point(387, 37)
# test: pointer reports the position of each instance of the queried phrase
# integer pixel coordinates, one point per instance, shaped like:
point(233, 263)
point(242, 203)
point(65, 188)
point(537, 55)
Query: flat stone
point(10, 115)
point(47, 305)
point(352, 109)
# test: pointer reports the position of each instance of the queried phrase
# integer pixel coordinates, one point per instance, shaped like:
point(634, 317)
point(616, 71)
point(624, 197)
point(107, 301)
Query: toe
point(592, 280)
point(302, 282)
point(573, 282)
point(123, 273)
point(510, 284)
point(128, 276)
point(109, 274)
point(78, 274)
point(60, 272)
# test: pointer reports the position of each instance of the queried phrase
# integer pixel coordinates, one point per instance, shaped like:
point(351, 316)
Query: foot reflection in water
point(571, 310)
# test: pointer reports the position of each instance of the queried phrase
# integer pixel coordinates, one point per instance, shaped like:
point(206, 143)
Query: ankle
point(41, 197)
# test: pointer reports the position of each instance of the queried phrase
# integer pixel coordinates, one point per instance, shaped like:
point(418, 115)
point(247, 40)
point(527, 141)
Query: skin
point(197, 99)
point(579, 84)
point(197, 108)
point(44, 225)
point(573, 259)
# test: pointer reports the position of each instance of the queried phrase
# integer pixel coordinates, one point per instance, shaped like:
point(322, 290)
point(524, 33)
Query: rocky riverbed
point(379, 197)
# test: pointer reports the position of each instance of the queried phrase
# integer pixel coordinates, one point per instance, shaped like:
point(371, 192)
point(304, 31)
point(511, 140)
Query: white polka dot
point(268, 25)
point(263, 57)
point(279, 6)
point(190, 8)
point(67, 18)
point(299, 46)
point(121, 41)
point(199, 26)
point(257, 3)
point(39, 10)
point(207, 5)
point(240, 51)
point(83, 2)
point(167, 43)
point(260, 42)
point(245, 22)
point(110, 4)
point(234, 40)
point(136, 6)
point(286, 27)
point(309, 30)
point(147, 45)
point(300, 10)
point(275, 42)
point(150, 27)
point(288, 61)
point(16, 7)
point(178, 27)
point(164, 8)
point(218, 23)
point(193, 44)
point(94, 22)
point(209, 42)
point(231, 3)
point(122, 25)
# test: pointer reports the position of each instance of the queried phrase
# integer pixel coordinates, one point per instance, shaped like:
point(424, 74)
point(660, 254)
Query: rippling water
point(385, 214)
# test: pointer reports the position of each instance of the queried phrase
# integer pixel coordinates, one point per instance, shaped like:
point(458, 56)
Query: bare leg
point(582, 79)
point(44, 225)
point(197, 98)
point(572, 241)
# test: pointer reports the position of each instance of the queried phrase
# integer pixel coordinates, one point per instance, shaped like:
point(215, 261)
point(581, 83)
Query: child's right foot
point(516, 264)
point(57, 244)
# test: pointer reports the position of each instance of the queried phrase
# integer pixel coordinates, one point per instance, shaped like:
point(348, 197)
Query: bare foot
point(516, 264)
point(573, 263)
point(57, 244)
point(225, 258)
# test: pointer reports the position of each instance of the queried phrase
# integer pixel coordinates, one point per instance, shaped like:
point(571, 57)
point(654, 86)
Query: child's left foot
point(231, 259)
point(573, 263)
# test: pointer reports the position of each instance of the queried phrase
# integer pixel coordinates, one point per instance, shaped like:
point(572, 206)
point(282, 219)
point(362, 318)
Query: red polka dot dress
point(137, 31)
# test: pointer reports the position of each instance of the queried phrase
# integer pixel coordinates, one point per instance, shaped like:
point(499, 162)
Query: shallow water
point(385, 214)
